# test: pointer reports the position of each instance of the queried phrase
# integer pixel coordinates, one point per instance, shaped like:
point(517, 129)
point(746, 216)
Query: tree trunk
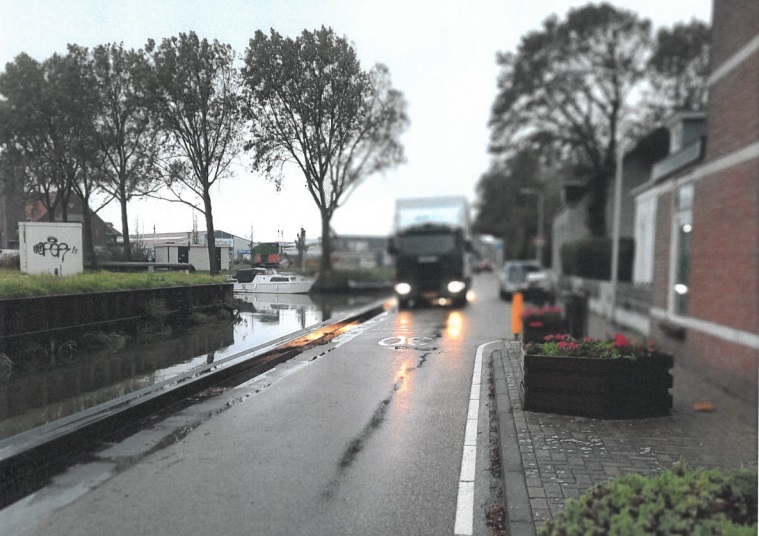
point(325, 265)
point(125, 223)
point(596, 215)
point(125, 231)
point(89, 245)
point(210, 238)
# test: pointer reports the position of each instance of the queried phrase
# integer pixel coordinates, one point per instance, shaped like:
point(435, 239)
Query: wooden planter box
point(599, 388)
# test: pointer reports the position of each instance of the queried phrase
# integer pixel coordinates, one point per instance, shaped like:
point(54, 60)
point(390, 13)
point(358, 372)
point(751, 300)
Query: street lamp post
point(615, 230)
point(540, 239)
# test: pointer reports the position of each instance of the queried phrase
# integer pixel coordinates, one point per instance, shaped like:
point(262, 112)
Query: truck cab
point(432, 265)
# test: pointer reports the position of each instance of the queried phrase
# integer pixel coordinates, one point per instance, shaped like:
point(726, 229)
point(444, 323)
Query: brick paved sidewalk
point(561, 456)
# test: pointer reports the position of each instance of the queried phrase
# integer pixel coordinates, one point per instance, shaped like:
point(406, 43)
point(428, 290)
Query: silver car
point(528, 277)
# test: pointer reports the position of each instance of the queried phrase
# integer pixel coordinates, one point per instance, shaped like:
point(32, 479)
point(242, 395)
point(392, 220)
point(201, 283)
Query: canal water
point(30, 398)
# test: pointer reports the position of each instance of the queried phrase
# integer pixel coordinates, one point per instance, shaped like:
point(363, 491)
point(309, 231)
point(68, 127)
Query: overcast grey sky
point(440, 53)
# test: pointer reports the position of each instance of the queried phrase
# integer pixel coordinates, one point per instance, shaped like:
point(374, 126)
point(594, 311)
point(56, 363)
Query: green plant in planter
point(562, 345)
point(616, 378)
point(677, 501)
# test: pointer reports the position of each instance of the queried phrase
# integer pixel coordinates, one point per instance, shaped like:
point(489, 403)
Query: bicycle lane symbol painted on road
point(400, 342)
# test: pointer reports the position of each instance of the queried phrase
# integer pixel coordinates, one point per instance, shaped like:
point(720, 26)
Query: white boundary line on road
point(464, 525)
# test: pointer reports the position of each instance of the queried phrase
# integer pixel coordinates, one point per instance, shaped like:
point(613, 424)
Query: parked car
point(528, 277)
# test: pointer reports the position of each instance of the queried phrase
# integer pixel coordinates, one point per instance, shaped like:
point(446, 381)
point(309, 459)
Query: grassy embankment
point(14, 284)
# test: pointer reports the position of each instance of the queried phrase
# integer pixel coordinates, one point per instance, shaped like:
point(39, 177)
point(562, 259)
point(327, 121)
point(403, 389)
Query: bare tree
point(30, 137)
point(123, 130)
point(568, 89)
point(193, 89)
point(310, 103)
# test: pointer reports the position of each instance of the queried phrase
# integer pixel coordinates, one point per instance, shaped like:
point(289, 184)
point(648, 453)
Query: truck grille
point(429, 276)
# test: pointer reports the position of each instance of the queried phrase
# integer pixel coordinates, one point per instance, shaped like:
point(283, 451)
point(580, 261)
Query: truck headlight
point(402, 288)
point(454, 287)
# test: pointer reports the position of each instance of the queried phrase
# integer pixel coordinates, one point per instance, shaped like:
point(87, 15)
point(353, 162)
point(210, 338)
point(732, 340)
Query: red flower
point(563, 345)
point(620, 341)
point(548, 338)
point(573, 346)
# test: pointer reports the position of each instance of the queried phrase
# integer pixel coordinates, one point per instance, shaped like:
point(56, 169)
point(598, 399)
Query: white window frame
point(682, 214)
point(645, 238)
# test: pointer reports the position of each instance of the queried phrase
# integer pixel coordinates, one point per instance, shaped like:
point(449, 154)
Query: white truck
point(432, 245)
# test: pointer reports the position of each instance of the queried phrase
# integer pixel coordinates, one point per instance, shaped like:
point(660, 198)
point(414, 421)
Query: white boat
point(270, 281)
point(277, 302)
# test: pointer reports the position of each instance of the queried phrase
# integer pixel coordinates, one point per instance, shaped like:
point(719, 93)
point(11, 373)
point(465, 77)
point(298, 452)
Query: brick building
point(704, 204)
point(104, 234)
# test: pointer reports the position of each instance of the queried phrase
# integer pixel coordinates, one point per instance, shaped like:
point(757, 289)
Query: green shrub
point(677, 501)
point(591, 258)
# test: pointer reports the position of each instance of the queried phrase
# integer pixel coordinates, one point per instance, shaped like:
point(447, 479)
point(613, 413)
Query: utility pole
point(540, 238)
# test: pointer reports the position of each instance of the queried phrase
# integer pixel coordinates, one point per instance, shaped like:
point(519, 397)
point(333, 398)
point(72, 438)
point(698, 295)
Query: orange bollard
point(517, 305)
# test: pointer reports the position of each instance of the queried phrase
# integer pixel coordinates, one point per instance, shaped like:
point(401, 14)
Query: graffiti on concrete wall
point(54, 248)
point(51, 248)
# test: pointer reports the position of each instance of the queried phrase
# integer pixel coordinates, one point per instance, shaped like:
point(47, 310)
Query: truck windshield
point(427, 244)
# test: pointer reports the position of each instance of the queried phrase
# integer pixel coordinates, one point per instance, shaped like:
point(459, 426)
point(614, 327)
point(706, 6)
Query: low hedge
point(677, 501)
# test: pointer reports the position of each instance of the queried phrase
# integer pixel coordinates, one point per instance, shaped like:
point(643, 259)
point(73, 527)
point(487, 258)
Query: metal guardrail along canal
point(29, 459)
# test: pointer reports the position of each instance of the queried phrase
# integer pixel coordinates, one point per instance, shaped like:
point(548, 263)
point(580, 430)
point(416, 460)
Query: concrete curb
point(519, 517)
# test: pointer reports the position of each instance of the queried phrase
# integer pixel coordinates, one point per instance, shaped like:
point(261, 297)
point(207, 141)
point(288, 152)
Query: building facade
point(705, 261)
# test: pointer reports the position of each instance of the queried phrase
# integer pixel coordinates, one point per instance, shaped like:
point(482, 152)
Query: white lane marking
point(470, 436)
point(474, 408)
point(465, 509)
point(464, 525)
point(467, 463)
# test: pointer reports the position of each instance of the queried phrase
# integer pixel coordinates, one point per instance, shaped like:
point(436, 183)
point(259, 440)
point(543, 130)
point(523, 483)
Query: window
point(683, 219)
point(645, 239)
point(428, 244)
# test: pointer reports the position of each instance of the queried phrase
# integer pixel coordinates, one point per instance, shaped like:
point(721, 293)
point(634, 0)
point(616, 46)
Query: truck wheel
point(402, 304)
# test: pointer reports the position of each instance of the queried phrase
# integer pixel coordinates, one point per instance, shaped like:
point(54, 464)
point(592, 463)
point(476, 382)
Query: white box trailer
point(449, 210)
point(195, 254)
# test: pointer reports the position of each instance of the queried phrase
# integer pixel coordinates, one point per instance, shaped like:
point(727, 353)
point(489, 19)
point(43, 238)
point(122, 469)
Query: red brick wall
point(733, 112)
point(734, 23)
point(725, 257)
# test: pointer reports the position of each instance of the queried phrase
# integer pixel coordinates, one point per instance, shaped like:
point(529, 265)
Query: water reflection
point(47, 393)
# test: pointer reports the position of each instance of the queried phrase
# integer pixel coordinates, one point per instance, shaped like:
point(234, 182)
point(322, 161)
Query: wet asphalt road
point(361, 436)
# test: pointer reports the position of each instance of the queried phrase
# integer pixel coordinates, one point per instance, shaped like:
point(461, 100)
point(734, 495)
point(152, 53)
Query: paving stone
point(564, 456)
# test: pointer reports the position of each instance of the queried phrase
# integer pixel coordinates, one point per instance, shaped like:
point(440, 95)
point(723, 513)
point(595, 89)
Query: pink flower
point(587, 339)
point(562, 345)
point(573, 346)
point(548, 338)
